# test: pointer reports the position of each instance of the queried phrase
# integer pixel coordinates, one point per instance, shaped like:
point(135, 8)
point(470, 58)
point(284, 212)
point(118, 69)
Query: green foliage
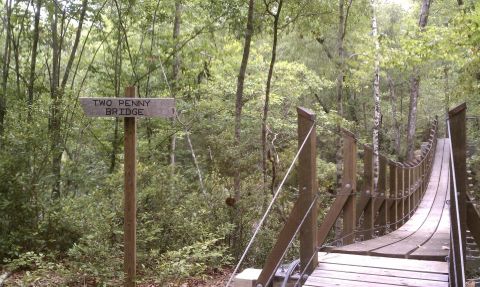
point(194, 259)
point(184, 230)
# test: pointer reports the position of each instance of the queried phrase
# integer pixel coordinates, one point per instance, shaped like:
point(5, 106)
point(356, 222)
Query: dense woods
point(382, 69)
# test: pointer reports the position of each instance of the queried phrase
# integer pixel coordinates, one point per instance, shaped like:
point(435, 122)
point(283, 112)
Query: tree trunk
point(376, 99)
point(276, 17)
point(33, 59)
point(195, 162)
point(415, 88)
point(6, 64)
point(342, 29)
point(396, 125)
point(446, 90)
point(57, 91)
point(236, 212)
point(117, 84)
point(239, 96)
point(176, 69)
point(54, 127)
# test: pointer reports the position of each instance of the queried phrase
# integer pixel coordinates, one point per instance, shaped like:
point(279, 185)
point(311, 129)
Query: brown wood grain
point(130, 208)
point(349, 179)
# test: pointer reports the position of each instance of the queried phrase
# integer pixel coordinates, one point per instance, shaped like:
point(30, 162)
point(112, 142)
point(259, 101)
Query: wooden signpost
point(129, 108)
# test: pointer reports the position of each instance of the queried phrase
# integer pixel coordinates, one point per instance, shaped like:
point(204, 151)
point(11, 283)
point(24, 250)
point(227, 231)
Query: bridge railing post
point(349, 182)
point(403, 192)
point(308, 186)
point(382, 205)
point(393, 194)
point(457, 123)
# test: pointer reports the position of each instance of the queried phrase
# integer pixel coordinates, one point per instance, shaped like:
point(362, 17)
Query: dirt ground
point(215, 278)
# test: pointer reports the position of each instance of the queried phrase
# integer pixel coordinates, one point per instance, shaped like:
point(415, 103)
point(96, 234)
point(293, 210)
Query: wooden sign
point(128, 107)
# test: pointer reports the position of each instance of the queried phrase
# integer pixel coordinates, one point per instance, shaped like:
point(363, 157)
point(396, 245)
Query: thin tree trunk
point(396, 125)
point(57, 91)
point(54, 126)
point(117, 82)
point(376, 99)
point(415, 88)
point(150, 67)
point(276, 17)
point(343, 14)
point(33, 60)
point(342, 29)
point(239, 95)
point(75, 44)
point(176, 70)
point(236, 212)
point(446, 90)
point(6, 64)
point(16, 57)
point(195, 162)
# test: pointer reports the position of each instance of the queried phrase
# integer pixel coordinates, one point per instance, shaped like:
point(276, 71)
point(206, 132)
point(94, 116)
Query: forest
point(382, 69)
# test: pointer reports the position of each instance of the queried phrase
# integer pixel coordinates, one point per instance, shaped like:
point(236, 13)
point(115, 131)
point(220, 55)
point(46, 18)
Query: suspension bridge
point(409, 230)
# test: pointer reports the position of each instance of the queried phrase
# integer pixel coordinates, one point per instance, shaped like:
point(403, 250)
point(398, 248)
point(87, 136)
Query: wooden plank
point(308, 186)
point(384, 262)
point(329, 282)
point(364, 278)
point(127, 107)
point(381, 271)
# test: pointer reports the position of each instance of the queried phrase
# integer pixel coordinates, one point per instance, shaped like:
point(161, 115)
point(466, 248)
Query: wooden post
point(129, 108)
point(349, 181)
point(408, 189)
point(393, 216)
point(130, 207)
point(367, 186)
point(403, 193)
point(383, 203)
point(457, 117)
point(307, 178)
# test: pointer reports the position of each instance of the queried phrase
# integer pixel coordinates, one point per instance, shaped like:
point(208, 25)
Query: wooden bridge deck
point(413, 255)
point(348, 270)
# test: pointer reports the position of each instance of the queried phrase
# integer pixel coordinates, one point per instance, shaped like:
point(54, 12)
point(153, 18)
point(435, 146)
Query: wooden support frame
point(307, 178)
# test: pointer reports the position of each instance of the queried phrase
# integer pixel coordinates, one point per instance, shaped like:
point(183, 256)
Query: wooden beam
point(457, 122)
point(130, 207)
point(308, 186)
point(349, 180)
